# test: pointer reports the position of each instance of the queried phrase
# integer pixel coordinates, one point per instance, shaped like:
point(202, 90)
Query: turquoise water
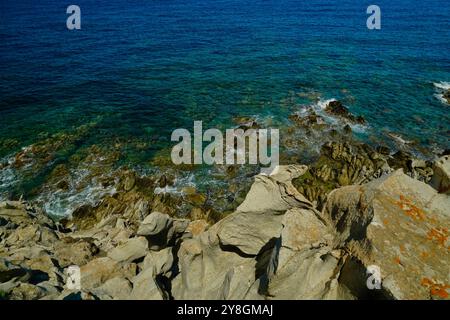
point(140, 69)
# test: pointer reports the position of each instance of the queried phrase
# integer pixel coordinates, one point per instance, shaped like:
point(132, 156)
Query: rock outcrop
point(441, 175)
point(400, 225)
point(336, 108)
point(379, 235)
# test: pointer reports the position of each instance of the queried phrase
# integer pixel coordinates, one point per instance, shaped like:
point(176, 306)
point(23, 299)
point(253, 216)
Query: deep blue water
point(142, 68)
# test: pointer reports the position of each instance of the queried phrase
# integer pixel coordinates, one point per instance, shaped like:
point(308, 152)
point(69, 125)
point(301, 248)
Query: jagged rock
point(399, 224)
point(161, 230)
point(249, 232)
point(161, 262)
point(301, 264)
point(340, 164)
point(218, 268)
point(50, 288)
point(246, 123)
point(129, 181)
point(275, 193)
point(136, 211)
point(441, 175)
point(226, 255)
point(12, 214)
point(9, 271)
point(151, 282)
point(310, 119)
point(337, 108)
point(12, 275)
point(43, 268)
point(257, 220)
point(130, 251)
point(154, 224)
point(132, 201)
point(145, 287)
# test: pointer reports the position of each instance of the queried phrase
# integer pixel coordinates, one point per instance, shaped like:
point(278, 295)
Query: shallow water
point(140, 69)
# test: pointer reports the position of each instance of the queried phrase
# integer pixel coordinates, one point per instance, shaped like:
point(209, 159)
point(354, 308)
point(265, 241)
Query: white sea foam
point(8, 178)
point(320, 107)
point(83, 190)
point(179, 183)
point(440, 97)
point(322, 104)
point(441, 87)
point(167, 189)
point(62, 204)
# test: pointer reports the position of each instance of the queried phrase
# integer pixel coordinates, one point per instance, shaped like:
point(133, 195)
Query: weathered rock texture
point(276, 245)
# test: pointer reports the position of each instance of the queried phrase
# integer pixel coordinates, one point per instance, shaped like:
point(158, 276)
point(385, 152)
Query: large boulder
point(207, 270)
point(130, 251)
point(303, 264)
point(161, 230)
point(249, 232)
point(152, 282)
point(228, 255)
point(258, 219)
point(161, 262)
point(399, 225)
point(275, 193)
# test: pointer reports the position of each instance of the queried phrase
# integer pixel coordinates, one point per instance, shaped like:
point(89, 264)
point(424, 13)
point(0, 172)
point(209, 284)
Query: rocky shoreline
point(301, 233)
point(305, 232)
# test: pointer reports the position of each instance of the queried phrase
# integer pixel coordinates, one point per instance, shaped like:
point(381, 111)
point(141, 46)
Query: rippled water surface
point(139, 69)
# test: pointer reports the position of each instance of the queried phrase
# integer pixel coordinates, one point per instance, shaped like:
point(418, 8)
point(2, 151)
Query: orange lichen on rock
point(436, 288)
point(410, 209)
point(438, 234)
point(424, 254)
